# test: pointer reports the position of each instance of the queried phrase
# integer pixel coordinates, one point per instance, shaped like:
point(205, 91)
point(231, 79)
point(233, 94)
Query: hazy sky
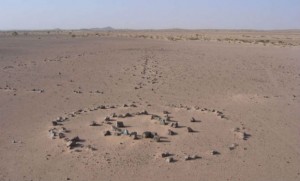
point(144, 14)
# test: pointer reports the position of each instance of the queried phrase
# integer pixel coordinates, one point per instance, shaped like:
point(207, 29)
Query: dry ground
point(254, 83)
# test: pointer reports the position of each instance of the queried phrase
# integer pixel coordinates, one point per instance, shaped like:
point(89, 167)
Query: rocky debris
point(71, 144)
point(170, 160)
point(174, 125)
point(163, 122)
point(241, 135)
point(187, 157)
point(214, 152)
point(114, 115)
point(121, 116)
point(204, 109)
point(114, 128)
point(52, 133)
point(134, 135)
point(167, 117)
point(190, 157)
point(78, 112)
point(91, 148)
point(54, 123)
point(190, 130)
point(196, 107)
point(119, 124)
point(112, 106)
point(148, 134)
point(156, 138)
point(155, 117)
point(165, 154)
point(193, 120)
point(75, 138)
point(127, 115)
point(125, 105)
point(233, 146)
point(93, 123)
point(101, 107)
point(171, 133)
point(133, 105)
point(125, 132)
point(142, 113)
point(107, 118)
point(106, 133)
point(166, 112)
point(61, 135)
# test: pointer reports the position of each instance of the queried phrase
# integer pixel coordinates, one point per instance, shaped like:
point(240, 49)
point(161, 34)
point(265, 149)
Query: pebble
point(214, 152)
point(169, 160)
point(106, 133)
point(190, 130)
point(193, 120)
point(119, 124)
point(165, 154)
point(156, 138)
point(170, 132)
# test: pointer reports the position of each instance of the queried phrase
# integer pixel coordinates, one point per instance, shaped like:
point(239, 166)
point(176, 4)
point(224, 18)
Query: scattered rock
point(125, 105)
point(147, 134)
point(125, 132)
point(165, 154)
point(193, 120)
point(156, 138)
point(107, 118)
point(166, 112)
point(169, 160)
point(133, 105)
point(102, 107)
point(127, 115)
point(70, 144)
point(106, 133)
point(119, 124)
point(114, 115)
point(93, 123)
point(171, 133)
point(163, 122)
point(233, 146)
point(134, 135)
point(61, 135)
point(174, 125)
point(54, 123)
point(214, 152)
point(190, 130)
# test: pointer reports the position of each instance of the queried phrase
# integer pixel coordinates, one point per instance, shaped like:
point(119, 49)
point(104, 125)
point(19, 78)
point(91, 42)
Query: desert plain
point(217, 104)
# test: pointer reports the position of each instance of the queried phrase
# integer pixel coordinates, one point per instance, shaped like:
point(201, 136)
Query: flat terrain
point(242, 88)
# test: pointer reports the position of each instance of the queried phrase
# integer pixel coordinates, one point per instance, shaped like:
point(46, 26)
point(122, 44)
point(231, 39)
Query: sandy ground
point(225, 80)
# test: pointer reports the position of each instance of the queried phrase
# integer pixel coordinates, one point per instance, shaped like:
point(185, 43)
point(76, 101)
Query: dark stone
point(119, 124)
point(190, 130)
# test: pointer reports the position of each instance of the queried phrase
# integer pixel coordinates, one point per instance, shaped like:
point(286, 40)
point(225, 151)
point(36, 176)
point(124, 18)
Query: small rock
point(125, 105)
point(54, 123)
point(169, 160)
point(187, 157)
point(190, 130)
point(174, 125)
point(106, 133)
point(156, 138)
point(194, 157)
point(119, 124)
point(102, 107)
point(61, 135)
point(163, 122)
point(133, 105)
point(193, 120)
point(75, 138)
point(214, 152)
point(93, 123)
point(165, 154)
point(233, 146)
point(134, 135)
point(147, 134)
point(107, 118)
point(166, 112)
point(143, 112)
point(113, 115)
point(125, 132)
point(128, 115)
point(171, 133)
point(70, 144)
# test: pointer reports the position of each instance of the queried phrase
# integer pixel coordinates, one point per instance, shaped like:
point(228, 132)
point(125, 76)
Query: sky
point(150, 14)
